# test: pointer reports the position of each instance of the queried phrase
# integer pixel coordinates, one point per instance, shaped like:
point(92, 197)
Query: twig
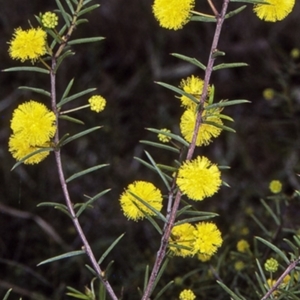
point(167, 232)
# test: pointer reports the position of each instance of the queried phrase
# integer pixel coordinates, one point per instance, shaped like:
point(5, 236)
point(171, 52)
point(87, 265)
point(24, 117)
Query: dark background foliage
point(124, 67)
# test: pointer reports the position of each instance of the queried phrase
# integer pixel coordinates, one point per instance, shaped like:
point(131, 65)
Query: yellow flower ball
point(97, 103)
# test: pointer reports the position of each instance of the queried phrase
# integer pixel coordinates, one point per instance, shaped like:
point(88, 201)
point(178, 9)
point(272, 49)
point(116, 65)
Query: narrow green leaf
point(68, 88)
point(262, 274)
point(90, 202)
point(191, 60)
point(235, 12)
point(71, 8)
point(265, 230)
point(81, 21)
point(229, 65)
point(62, 256)
point(146, 278)
point(274, 248)
point(30, 69)
point(71, 119)
point(86, 171)
point(80, 134)
point(88, 9)
point(206, 18)
point(153, 222)
point(160, 273)
point(273, 215)
point(92, 270)
point(52, 204)
point(36, 90)
point(7, 294)
point(163, 290)
point(293, 247)
point(251, 1)
point(86, 40)
point(160, 173)
point(172, 135)
point(30, 155)
point(75, 96)
point(225, 117)
point(159, 145)
point(223, 127)
point(110, 248)
point(62, 57)
point(166, 167)
point(64, 14)
point(229, 291)
point(195, 219)
point(178, 91)
point(227, 103)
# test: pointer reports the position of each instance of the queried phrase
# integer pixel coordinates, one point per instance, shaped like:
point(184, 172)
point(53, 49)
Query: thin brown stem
point(171, 220)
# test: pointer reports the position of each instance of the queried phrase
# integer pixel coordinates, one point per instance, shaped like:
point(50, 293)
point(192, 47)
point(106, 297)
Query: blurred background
point(123, 68)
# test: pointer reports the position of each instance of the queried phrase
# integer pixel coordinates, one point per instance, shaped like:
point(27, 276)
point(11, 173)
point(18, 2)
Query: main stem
point(167, 232)
point(86, 245)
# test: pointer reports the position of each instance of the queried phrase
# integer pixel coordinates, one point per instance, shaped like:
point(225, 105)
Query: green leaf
point(273, 215)
point(229, 291)
point(146, 278)
point(76, 294)
point(88, 9)
point(229, 65)
point(191, 60)
point(30, 155)
point(68, 88)
point(75, 96)
point(71, 119)
point(172, 135)
point(203, 18)
point(78, 135)
point(161, 146)
point(57, 38)
point(86, 171)
point(163, 290)
point(30, 69)
point(265, 230)
point(227, 103)
point(195, 219)
point(274, 248)
point(178, 91)
point(160, 173)
point(7, 294)
point(235, 12)
point(61, 58)
point(64, 14)
point(90, 202)
point(160, 273)
point(81, 21)
point(251, 1)
point(110, 248)
point(86, 40)
point(223, 127)
point(62, 256)
point(35, 90)
point(71, 8)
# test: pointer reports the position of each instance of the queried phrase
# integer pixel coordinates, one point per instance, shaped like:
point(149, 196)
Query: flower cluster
point(242, 246)
point(202, 239)
point(199, 178)
point(97, 103)
point(33, 126)
point(163, 137)
point(275, 186)
point(28, 44)
point(173, 14)
point(187, 295)
point(271, 265)
point(49, 20)
point(131, 204)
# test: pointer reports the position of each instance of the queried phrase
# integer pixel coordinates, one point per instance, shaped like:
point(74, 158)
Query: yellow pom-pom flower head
point(173, 14)
point(97, 103)
point(28, 44)
point(135, 209)
point(275, 186)
point(199, 178)
point(49, 20)
point(274, 10)
point(207, 238)
point(187, 295)
point(182, 239)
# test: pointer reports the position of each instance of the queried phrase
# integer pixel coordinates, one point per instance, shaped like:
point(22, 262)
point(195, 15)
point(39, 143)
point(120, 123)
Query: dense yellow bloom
point(33, 126)
point(49, 20)
point(199, 178)
point(28, 44)
point(207, 238)
point(164, 138)
point(173, 14)
point(275, 186)
point(274, 10)
point(182, 235)
point(193, 85)
point(33, 123)
point(206, 131)
point(242, 246)
point(135, 209)
point(20, 148)
point(187, 295)
point(271, 265)
point(97, 103)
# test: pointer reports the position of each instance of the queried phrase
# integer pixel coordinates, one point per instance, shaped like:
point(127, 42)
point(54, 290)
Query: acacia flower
point(182, 235)
point(164, 138)
point(268, 94)
point(28, 44)
point(187, 295)
point(173, 14)
point(97, 103)
point(192, 85)
point(242, 246)
point(274, 10)
point(204, 257)
point(275, 186)
point(207, 238)
point(199, 178)
point(239, 265)
point(33, 123)
point(20, 148)
point(135, 209)
point(49, 20)
point(271, 265)
point(206, 131)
